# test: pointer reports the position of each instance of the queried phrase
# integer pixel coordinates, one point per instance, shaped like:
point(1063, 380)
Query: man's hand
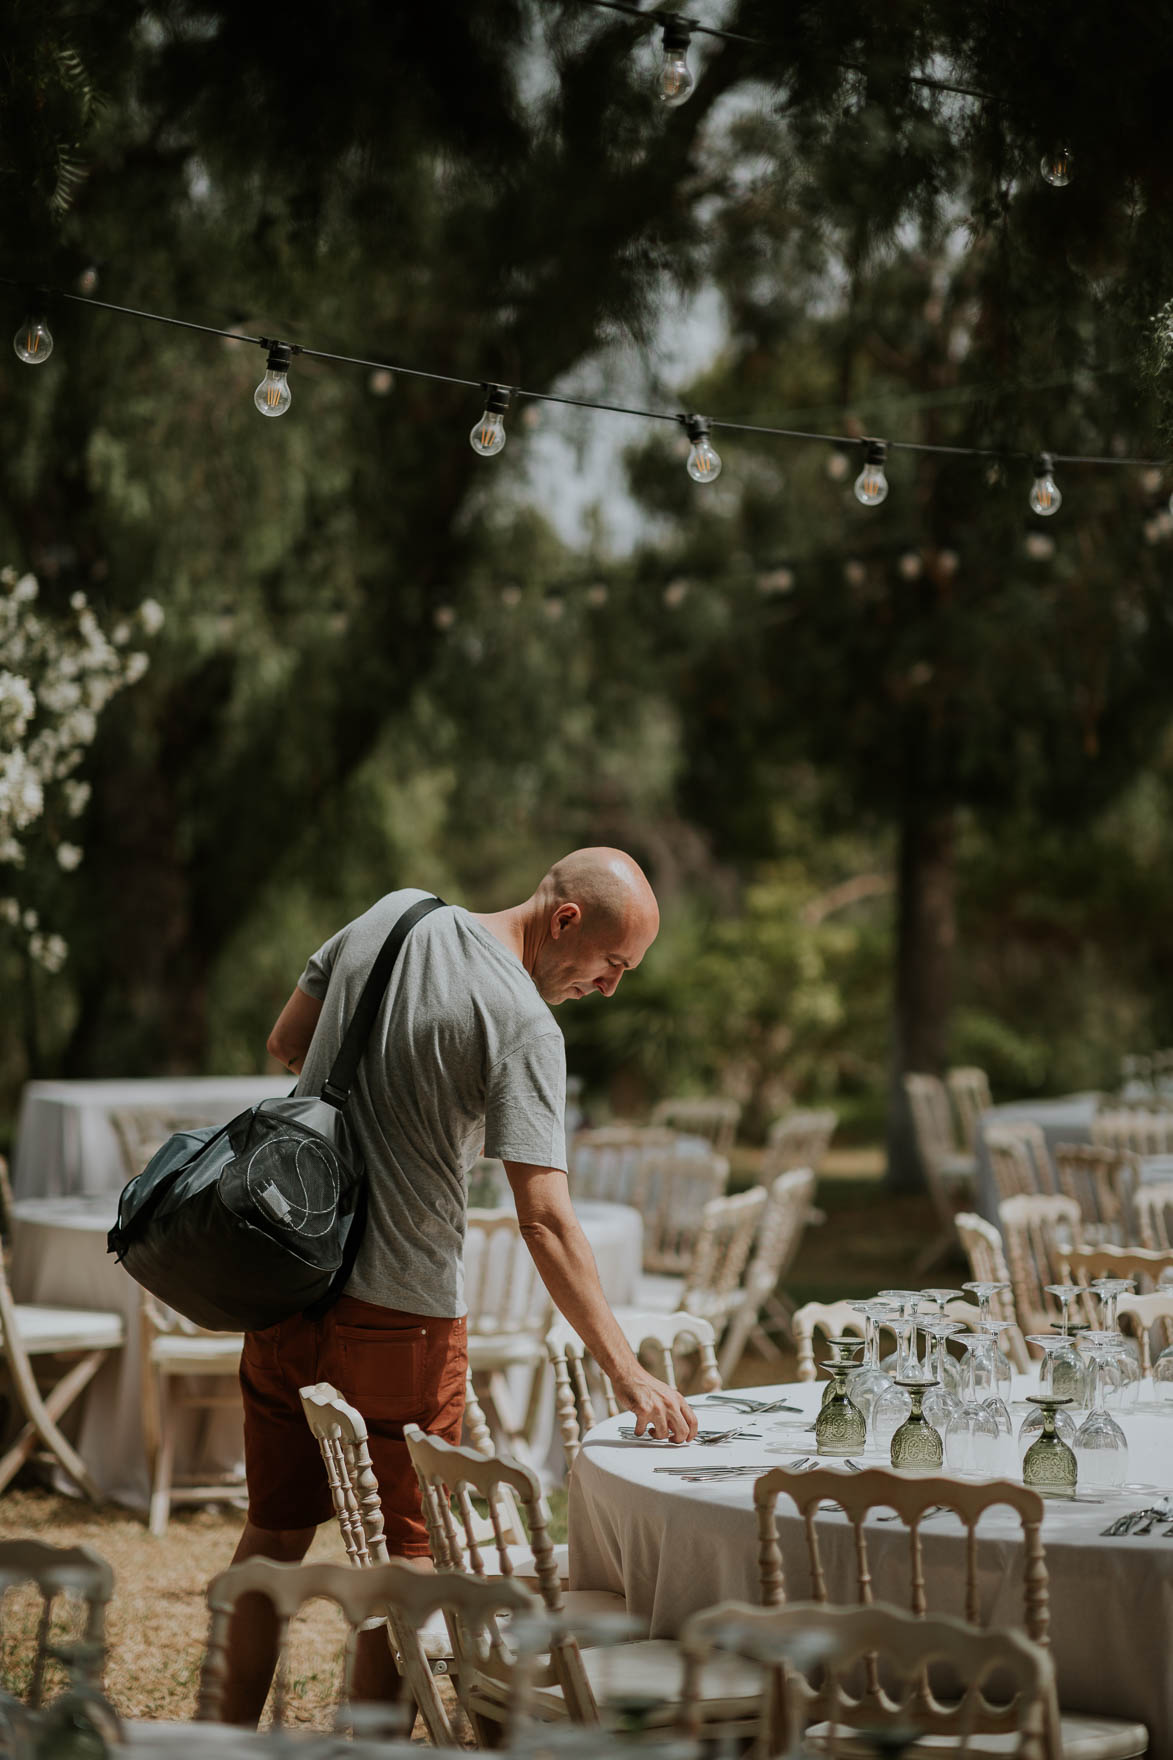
point(659, 1410)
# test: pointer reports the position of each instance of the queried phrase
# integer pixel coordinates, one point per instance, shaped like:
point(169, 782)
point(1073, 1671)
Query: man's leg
point(252, 1638)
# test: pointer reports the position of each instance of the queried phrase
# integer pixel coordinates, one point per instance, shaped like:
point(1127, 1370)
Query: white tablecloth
point(65, 1137)
point(59, 1256)
point(1065, 1120)
point(672, 1548)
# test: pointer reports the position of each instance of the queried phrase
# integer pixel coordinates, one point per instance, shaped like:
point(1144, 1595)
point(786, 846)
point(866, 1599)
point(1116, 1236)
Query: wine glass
point(866, 1383)
point(947, 1368)
point(1062, 1371)
point(995, 1368)
point(916, 1445)
point(983, 1291)
point(1101, 1447)
point(941, 1402)
point(1064, 1294)
point(842, 1351)
point(1163, 1378)
point(904, 1304)
point(1049, 1465)
point(1054, 1344)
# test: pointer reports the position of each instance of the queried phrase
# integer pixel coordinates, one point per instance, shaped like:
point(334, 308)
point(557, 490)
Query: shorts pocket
point(381, 1371)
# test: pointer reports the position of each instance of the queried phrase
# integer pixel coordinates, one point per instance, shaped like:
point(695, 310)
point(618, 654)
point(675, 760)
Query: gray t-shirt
point(463, 1053)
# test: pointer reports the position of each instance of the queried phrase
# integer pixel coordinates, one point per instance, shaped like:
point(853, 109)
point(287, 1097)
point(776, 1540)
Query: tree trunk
point(926, 934)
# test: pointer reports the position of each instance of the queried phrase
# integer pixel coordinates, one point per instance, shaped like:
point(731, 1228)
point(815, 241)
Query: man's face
point(572, 962)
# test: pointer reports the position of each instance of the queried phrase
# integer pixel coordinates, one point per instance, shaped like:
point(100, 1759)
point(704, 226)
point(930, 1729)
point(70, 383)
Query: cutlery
point(705, 1437)
point(752, 1407)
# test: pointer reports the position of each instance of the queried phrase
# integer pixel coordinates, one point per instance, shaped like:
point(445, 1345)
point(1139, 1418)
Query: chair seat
point(657, 1293)
point(44, 1329)
point(505, 1350)
point(197, 1354)
point(1081, 1738)
point(651, 1670)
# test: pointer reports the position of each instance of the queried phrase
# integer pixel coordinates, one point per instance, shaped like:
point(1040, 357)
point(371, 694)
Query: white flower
point(68, 856)
point(152, 616)
point(77, 798)
point(49, 951)
point(136, 665)
point(120, 634)
point(30, 920)
point(78, 601)
point(9, 911)
point(25, 590)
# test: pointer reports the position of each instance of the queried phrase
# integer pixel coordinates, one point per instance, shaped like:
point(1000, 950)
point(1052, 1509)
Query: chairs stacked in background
point(950, 1168)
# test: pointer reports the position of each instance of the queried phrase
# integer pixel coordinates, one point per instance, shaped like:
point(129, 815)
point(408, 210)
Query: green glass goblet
point(840, 1427)
point(1049, 1466)
point(916, 1445)
point(842, 1351)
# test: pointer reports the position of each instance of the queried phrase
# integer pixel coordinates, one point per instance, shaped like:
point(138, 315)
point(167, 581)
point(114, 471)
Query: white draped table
point(672, 1548)
point(59, 1257)
point(66, 1140)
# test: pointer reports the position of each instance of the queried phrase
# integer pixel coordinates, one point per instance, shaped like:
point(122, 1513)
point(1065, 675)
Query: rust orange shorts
point(394, 1368)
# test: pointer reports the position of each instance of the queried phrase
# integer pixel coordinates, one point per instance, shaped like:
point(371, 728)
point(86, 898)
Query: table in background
point(672, 1548)
point(66, 1141)
point(59, 1257)
point(1067, 1119)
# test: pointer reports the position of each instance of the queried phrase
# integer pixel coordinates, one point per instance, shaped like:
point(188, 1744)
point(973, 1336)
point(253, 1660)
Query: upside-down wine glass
point(1049, 1466)
point(972, 1438)
point(904, 1304)
point(842, 1351)
point(941, 1403)
point(1101, 1447)
point(1122, 1360)
point(947, 1368)
point(840, 1428)
point(866, 1383)
point(916, 1446)
point(1054, 1345)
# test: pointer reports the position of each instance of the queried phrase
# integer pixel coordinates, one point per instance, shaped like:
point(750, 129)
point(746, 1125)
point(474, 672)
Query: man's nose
point(608, 984)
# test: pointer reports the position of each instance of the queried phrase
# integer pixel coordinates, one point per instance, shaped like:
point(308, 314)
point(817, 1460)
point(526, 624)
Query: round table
point(672, 1548)
point(59, 1257)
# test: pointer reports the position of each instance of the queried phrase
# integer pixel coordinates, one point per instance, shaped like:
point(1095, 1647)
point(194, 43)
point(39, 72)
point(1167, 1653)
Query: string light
point(677, 82)
point(32, 341)
point(871, 485)
point(1045, 497)
point(1057, 166)
point(488, 437)
point(273, 396)
point(704, 461)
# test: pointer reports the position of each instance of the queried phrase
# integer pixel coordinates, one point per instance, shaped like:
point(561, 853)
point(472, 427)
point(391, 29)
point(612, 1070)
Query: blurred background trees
point(900, 775)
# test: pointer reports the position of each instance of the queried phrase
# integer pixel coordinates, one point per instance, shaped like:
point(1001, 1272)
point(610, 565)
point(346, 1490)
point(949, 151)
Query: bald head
point(598, 916)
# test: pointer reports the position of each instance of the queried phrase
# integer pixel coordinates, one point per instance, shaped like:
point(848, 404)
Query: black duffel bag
point(240, 1225)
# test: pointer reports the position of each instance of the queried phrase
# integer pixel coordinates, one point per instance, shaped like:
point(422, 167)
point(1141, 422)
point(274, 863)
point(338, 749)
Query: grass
point(157, 1621)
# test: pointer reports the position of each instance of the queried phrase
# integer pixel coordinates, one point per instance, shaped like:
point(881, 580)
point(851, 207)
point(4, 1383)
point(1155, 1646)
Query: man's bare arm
point(294, 1028)
point(567, 1267)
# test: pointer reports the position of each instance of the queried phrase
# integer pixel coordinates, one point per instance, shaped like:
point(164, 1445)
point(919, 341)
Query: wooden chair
point(605, 1163)
point(143, 1129)
point(1144, 1313)
point(574, 1401)
point(1083, 1264)
point(400, 1595)
point(833, 1320)
point(61, 1570)
point(1039, 1231)
point(570, 1681)
point(949, 1172)
point(982, 1246)
point(763, 1305)
point(179, 1359)
point(797, 1139)
point(969, 1090)
point(1143, 1131)
point(1100, 1180)
point(713, 1119)
point(1152, 1206)
point(858, 1494)
point(1012, 1163)
point(841, 1645)
point(509, 1313)
point(711, 1286)
point(671, 1191)
point(68, 1344)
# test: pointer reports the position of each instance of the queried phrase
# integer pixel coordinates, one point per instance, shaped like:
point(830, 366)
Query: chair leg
point(42, 1427)
point(164, 1464)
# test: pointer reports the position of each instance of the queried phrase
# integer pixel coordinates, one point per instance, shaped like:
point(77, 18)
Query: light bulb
point(488, 437)
point(677, 82)
point(704, 461)
point(273, 396)
point(871, 485)
point(1044, 494)
point(32, 341)
point(1057, 166)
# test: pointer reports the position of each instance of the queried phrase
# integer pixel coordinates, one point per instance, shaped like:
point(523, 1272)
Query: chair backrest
point(502, 1290)
point(449, 1477)
point(783, 1223)
point(1146, 1312)
point(574, 1401)
point(1100, 1179)
point(878, 1488)
point(720, 1253)
point(1152, 1205)
point(1133, 1127)
point(604, 1163)
point(671, 1189)
point(797, 1139)
point(932, 1125)
point(969, 1089)
point(982, 1245)
point(143, 1129)
point(873, 1667)
point(833, 1320)
point(712, 1118)
point(341, 1433)
point(1084, 1263)
point(1011, 1164)
point(404, 1594)
point(1039, 1232)
point(59, 1570)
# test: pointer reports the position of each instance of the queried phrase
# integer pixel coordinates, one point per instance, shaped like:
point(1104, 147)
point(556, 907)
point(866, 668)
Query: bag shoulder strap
point(336, 1088)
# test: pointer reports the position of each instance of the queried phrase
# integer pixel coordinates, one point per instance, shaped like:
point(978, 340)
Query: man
point(464, 1054)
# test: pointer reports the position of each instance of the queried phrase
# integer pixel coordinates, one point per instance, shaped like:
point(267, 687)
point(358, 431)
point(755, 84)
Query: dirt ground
point(157, 1621)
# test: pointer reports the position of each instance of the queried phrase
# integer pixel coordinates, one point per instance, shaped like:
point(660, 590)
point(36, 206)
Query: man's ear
point(565, 917)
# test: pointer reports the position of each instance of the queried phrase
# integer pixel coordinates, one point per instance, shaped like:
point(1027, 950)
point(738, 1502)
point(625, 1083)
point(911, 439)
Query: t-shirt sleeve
point(525, 1104)
point(315, 980)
